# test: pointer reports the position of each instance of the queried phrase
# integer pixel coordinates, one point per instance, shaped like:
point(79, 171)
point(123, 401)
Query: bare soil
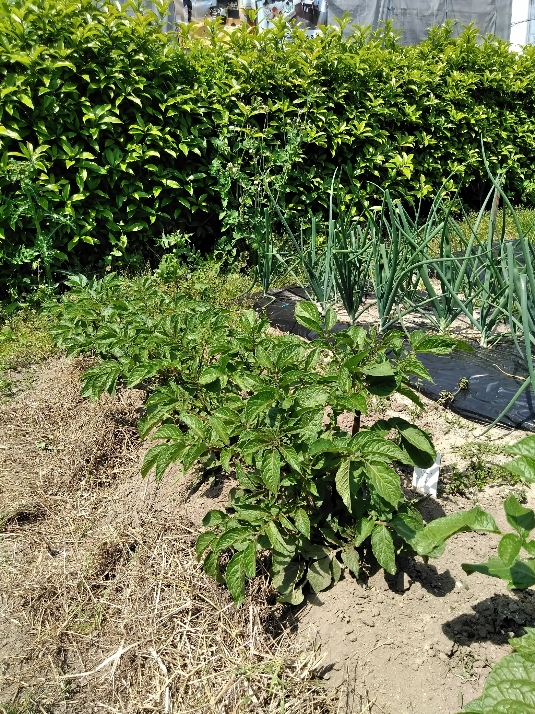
point(103, 607)
point(424, 640)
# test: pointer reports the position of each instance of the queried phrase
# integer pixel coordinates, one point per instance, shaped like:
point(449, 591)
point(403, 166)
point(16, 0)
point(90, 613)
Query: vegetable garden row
point(121, 143)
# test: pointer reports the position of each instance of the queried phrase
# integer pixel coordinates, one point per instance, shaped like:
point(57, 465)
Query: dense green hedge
point(134, 131)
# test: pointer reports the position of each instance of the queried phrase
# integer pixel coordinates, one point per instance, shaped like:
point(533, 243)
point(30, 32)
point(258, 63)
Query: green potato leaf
point(307, 314)
point(383, 548)
point(271, 469)
point(436, 533)
point(319, 574)
point(235, 578)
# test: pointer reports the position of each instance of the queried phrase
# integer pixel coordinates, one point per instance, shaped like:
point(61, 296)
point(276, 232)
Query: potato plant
point(227, 395)
point(510, 687)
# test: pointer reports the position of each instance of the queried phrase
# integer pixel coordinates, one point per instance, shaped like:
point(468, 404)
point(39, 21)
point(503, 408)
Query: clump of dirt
point(103, 606)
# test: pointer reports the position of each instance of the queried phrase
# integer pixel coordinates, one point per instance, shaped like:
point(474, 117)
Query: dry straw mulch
point(103, 607)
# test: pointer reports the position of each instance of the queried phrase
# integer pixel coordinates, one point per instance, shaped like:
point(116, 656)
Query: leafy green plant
point(314, 255)
point(105, 102)
point(508, 565)
point(337, 265)
point(510, 687)
point(28, 201)
point(268, 261)
point(477, 475)
point(519, 572)
point(395, 262)
point(511, 684)
point(352, 256)
point(514, 300)
point(439, 248)
point(179, 131)
point(234, 397)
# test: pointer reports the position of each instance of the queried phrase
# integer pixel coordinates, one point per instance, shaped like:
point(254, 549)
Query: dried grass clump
point(103, 607)
point(137, 627)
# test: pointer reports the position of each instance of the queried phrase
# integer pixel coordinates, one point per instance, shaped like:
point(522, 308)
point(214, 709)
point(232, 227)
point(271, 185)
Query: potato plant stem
point(356, 424)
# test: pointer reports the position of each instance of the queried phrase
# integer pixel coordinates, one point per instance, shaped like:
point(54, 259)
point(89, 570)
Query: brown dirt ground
point(103, 607)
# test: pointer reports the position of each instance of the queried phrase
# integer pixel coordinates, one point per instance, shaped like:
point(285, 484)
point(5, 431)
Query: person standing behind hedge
point(187, 6)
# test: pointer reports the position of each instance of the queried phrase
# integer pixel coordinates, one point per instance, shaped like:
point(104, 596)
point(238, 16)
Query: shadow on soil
point(495, 619)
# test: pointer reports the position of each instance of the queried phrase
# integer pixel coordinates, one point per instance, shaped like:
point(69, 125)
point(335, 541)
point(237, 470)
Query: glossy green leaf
point(230, 537)
point(169, 431)
point(195, 423)
point(509, 548)
point(384, 480)
point(525, 645)
point(524, 447)
point(383, 548)
point(343, 482)
point(203, 542)
point(307, 314)
point(422, 342)
point(302, 522)
point(520, 518)
point(211, 374)
point(311, 396)
point(214, 518)
point(336, 569)
point(249, 560)
point(259, 403)
point(330, 319)
point(291, 457)
point(382, 369)
point(520, 575)
point(510, 687)
point(286, 577)
point(416, 443)
point(407, 525)
point(319, 574)
point(211, 567)
point(437, 532)
point(271, 469)
point(277, 541)
point(523, 466)
point(235, 578)
point(293, 597)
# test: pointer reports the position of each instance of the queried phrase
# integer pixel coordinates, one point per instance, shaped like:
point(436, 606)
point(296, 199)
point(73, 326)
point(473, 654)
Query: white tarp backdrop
point(412, 17)
point(415, 17)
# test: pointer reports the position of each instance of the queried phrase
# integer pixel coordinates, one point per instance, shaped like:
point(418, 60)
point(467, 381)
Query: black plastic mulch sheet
point(489, 390)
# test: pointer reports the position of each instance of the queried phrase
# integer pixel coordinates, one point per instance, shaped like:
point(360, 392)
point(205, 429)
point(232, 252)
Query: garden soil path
point(94, 558)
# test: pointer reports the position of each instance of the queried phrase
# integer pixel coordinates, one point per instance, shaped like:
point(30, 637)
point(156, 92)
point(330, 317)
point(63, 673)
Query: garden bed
point(104, 607)
point(98, 562)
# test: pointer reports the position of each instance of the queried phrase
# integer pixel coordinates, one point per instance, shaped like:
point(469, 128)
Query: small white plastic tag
point(426, 480)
